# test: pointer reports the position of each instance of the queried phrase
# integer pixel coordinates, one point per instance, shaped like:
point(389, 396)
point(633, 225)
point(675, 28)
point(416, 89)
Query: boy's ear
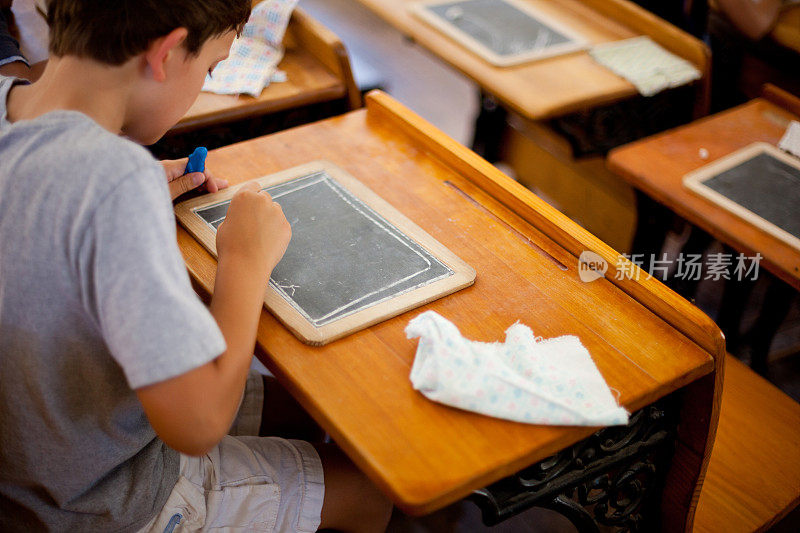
point(159, 50)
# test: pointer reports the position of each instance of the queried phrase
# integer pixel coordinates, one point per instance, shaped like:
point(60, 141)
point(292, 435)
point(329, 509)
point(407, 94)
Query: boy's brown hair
point(113, 31)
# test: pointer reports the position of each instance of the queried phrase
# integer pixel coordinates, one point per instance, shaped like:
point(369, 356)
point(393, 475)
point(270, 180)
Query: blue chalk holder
point(197, 161)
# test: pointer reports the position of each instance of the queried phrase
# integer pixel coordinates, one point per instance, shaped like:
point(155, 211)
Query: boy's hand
point(254, 230)
point(180, 183)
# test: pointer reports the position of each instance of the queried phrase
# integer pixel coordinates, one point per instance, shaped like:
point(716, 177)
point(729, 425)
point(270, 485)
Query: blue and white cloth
point(648, 66)
point(254, 56)
point(553, 381)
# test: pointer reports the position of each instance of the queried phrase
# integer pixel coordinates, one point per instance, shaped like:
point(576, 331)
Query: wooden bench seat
point(753, 479)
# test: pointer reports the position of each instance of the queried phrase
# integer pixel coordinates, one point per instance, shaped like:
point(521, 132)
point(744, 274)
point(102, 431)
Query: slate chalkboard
point(504, 32)
point(759, 183)
point(345, 257)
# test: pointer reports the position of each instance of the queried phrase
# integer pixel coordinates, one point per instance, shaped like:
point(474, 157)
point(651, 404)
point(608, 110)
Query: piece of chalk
point(197, 161)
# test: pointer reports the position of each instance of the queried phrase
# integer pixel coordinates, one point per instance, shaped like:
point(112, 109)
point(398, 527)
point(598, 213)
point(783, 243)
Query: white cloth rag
point(648, 66)
point(791, 139)
point(550, 381)
point(254, 55)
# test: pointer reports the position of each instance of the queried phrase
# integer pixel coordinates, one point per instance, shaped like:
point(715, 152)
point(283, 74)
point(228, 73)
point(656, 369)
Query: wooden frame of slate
point(516, 20)
point(325, 205)
point(787, 188)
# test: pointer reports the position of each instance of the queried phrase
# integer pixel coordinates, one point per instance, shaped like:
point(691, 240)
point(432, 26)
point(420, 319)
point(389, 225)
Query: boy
point(109, 364)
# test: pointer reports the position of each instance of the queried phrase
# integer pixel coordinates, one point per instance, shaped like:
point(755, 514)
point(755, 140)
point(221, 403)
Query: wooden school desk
point(317, 69)
point(650, 344)
point(556, 86)
point(535, 92)
point(656, 166)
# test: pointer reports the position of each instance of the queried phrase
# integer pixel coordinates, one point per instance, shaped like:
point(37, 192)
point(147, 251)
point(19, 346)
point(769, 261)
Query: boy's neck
point(99, 91)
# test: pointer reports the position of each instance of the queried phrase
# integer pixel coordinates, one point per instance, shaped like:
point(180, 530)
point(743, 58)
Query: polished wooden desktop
point(647, 341)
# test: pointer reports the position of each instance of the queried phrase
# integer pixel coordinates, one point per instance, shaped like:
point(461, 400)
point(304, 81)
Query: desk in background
point(656, 166)
point(317, 69)
point(319, 84)
point(536, 93)
point(650, 344)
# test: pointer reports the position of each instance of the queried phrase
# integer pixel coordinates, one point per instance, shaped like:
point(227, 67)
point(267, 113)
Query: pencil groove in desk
point(516, 232)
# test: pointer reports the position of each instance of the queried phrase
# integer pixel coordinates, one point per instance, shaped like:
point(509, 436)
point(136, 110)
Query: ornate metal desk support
point(613, 479)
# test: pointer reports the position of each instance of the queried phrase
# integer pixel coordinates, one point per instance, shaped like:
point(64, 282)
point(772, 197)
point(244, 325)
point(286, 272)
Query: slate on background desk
point(504, 32)
point(760, 184)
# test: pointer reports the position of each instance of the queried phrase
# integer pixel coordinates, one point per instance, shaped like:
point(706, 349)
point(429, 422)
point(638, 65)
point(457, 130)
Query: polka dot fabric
point(553, 381)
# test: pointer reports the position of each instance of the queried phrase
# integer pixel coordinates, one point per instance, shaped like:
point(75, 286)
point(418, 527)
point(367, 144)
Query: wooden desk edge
point(656, 297)
point(781, 98)
point(232, 115)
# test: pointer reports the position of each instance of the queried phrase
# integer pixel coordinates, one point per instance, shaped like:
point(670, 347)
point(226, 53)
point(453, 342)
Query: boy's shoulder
point(80, 144)
point(72, 142)
point(68, 149)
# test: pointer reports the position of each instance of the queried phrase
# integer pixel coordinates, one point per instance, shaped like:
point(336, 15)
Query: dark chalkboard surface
point(345, 257)
point(502, 31)
point(759, 183)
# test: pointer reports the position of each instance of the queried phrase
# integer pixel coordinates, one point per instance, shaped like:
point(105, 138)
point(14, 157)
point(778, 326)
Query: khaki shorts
point(246, 483)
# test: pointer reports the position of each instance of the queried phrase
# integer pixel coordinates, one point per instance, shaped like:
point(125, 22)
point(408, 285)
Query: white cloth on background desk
point(551, 381)
point(254, 55)
point(648, 66)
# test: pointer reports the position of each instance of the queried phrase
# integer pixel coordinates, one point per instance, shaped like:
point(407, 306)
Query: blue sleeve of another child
point(9, 47)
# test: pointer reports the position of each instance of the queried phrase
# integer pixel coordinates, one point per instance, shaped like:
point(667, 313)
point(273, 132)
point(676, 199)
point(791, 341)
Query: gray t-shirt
point(95, 301)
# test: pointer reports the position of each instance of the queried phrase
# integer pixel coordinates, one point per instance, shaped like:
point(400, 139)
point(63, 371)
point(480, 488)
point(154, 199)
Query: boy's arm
point(192, 412)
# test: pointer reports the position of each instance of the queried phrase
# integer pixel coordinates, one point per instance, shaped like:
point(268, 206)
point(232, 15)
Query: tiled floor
point(449, 101)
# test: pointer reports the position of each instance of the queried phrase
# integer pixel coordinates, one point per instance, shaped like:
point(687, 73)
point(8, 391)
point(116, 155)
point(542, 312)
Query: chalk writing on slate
point(499, 26)
point(343, 256)
point(766, 186)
